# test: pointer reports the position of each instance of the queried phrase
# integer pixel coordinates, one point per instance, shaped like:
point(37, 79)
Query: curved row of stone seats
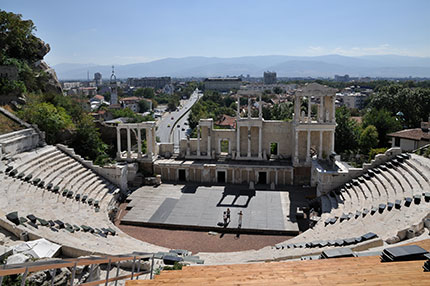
point(340, 242)
point(31, 220)
point(30, 198)
point(397, 201)
point(57, 190)
point(55, 168)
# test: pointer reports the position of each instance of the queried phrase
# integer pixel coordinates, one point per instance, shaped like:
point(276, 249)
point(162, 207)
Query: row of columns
point(260, 142)
point(260, 107)
point(308, 144)
point(260, 131)
point(149, 141)
point(209, 141)
point(323, 114)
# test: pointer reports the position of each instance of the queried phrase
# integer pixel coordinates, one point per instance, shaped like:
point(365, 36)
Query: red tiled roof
point(131, 98)
point(227, 120)
point(99, 97)
point(416, 134)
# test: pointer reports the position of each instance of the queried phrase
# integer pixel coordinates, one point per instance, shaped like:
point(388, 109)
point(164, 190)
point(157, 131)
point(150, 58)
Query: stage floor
point(202, 207)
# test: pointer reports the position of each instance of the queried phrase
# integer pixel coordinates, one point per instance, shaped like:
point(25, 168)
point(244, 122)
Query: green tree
point(17, 39)
point(368, 139)
point(347, 131)
point(412, 102)
point(143, 106)
point(146, 92)
point(87, 141)
point(384, 123)
point(50, 119)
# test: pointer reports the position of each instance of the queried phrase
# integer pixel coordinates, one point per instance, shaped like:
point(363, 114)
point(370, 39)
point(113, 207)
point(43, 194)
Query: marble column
point(237, 140)
point(128, 143)
point(296, 147)
point(249, 142)
point(308, 147)
point(238, 106)
point(297, 103)
point(320, 151)
point(276, 176)
point(118, 141)
point(332, 141)
point(333, 118)
point(260, 139)
point(249, 107)
point(321, 114)
point(309, 109)
point(209, 143)
point(260, 108)
point(139, 144)
point(149, 142)
point(198, 140)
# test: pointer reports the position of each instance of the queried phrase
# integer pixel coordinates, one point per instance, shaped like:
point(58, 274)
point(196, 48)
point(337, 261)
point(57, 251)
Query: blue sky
point(123, 32)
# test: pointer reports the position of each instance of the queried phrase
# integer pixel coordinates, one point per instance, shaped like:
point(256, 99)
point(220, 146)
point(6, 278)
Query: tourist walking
point(225, 218)
point(228, 215)
point(239, 225)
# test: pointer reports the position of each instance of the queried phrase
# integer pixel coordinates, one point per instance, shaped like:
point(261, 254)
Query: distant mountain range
point(284, 66)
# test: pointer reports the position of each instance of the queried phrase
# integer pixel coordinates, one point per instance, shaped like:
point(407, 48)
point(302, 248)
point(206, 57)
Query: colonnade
point(137, 128)
point(248, 124)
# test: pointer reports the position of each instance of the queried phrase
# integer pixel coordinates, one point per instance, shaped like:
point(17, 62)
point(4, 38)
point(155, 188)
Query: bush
point(53, 120)
point(176, 266)
point(375, 151)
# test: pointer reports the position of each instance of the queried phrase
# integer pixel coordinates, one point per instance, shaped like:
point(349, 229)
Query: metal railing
point(53, 265)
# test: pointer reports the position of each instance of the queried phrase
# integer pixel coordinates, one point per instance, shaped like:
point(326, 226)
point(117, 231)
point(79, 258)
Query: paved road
point(167, 123)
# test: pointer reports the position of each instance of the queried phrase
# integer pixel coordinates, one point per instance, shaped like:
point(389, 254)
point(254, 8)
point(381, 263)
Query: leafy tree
point(278, 90)
point(87, 142)
point(144, 92)
point(384, 123)
point(50, 119)
point(347, 131)
point(143, 106)
point(413, 103)
point(171, 106)
point(368, 139)
point(17, 39)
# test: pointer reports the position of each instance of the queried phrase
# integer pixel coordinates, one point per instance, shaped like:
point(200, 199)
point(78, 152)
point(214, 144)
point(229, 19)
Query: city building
point(222, 84)
point(113, 88)
point(96, 101)
point(353, 100)
point(154, 82)
point(411, 139)
point(98, 78)
point(132, 102)
point(341, 78)
point(269, 77)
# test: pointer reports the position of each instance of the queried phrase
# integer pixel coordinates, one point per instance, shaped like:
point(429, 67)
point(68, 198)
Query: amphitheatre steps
point(382, 191)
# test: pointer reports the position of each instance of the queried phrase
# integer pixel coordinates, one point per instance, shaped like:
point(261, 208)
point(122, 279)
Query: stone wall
point(327, 180)
point(116, 174)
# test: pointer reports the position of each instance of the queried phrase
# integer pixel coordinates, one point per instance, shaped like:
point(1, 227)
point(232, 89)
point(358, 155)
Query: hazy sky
point(122, 32)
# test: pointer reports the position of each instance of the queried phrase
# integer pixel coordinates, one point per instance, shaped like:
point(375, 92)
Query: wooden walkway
point(342, 271)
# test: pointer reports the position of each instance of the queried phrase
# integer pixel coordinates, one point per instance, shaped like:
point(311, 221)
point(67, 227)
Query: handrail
point(26, 268)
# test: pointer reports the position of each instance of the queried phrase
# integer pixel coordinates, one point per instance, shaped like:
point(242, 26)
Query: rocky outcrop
point(53, 84)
